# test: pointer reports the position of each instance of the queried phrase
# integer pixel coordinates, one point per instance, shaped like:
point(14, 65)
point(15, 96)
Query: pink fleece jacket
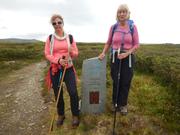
point(117, 38)
point(60, 49)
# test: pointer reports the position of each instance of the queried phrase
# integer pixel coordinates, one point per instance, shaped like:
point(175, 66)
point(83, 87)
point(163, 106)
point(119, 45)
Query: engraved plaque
point(94, 97)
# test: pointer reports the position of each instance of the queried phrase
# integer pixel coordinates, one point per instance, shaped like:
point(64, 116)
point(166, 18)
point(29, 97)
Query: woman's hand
point(123, 55)
point(63, 61)
point(101, 56)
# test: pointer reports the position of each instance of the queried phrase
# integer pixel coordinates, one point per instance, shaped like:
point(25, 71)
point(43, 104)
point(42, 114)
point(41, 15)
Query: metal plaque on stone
point(93, 86)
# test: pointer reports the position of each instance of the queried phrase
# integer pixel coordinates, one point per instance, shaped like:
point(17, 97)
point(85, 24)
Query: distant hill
point(18, 40)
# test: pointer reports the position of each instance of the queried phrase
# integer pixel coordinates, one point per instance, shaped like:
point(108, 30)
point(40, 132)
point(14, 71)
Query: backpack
point(131, 27)
point(52, 42)
point(70, 38)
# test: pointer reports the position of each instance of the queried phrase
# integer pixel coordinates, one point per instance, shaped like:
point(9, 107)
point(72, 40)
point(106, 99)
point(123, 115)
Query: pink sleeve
point(74, 52)
point(48, 56)
point(109, 41)
point(135, 38)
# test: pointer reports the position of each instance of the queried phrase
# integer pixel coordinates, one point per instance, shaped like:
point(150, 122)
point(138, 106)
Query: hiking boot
point(75, 121)
point(123, 110)
point(60, 120)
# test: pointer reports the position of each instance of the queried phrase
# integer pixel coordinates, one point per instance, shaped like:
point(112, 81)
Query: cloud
point(31, 36)
point(89, 20)
point(26, 4)
point(75, 12)
point(3, 28)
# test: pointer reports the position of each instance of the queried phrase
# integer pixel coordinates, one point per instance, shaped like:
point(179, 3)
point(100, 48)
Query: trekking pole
point(61, 82)
point(117, 92)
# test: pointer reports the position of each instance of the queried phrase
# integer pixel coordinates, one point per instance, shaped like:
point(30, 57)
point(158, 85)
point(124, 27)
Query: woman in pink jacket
point(123, 40)
point(60, 49)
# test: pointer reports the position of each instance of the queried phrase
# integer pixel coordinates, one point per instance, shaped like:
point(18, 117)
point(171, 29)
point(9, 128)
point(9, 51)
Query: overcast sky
point(157, 21)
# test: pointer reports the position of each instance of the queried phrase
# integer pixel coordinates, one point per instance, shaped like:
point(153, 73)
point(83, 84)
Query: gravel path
point(22, 108)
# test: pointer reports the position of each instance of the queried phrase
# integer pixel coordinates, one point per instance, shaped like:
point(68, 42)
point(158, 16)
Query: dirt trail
point(22, 108)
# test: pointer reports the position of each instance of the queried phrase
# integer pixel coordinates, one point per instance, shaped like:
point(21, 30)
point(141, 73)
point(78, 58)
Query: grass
point(150, 113)
point(155, 100)
point(14, 56)
point(161, 60)
point(154, 106)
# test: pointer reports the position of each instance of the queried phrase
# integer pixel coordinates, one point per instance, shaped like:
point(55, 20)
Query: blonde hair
point(54, 16)
point(123, 7)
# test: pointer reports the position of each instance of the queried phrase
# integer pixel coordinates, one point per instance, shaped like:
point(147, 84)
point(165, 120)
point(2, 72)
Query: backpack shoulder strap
point(113, 29)
point(51, 40)
point(131, 26)
point(70, 38)
point(112, 34)
point(50, 36)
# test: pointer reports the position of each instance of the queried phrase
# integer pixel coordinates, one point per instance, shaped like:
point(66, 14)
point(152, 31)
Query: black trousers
point(120, 95)
point(70, 82)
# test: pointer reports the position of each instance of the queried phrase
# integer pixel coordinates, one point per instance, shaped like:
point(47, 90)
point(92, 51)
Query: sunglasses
point(57, 23)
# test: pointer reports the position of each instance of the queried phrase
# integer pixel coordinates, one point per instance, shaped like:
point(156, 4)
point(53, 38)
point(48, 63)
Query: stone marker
point(93, 86)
